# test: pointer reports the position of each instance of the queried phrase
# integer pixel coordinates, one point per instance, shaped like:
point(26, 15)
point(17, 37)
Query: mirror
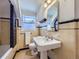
point(52, 17)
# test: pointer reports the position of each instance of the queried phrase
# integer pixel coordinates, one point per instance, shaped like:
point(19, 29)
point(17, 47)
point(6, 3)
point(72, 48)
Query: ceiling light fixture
point(45, 4)
point(48, 1)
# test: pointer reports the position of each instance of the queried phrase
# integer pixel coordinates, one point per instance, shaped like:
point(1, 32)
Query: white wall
point(28, 13)
point(4, 8)
point(66, 10)
point(77, 9)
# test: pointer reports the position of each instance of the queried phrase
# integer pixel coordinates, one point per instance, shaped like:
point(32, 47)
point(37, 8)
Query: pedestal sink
point(44, 44)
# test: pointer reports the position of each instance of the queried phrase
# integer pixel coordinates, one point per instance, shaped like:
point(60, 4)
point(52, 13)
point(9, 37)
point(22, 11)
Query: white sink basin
point(44, 44)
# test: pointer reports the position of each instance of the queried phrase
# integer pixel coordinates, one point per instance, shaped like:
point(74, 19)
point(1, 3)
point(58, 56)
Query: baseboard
point(19, 51)
point(14, 55)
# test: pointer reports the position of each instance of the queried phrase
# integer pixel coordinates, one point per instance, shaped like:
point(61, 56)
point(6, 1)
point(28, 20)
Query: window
point(28, 22)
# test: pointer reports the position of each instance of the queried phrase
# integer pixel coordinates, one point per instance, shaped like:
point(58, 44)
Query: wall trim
point(19, 51)
point(69, 21)
point(69, 29)
point(5, 18)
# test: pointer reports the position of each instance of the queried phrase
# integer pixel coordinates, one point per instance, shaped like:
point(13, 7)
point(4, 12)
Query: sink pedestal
point(43, 55)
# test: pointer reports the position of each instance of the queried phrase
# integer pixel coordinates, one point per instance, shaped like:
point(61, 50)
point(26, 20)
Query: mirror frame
point(56, 22)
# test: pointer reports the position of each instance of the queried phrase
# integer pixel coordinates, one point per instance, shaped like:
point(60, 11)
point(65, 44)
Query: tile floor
point(25, 55)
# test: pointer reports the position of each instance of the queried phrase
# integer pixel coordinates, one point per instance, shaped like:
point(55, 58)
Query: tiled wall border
point(4, 18)
point(69, 21)
point(75, 21)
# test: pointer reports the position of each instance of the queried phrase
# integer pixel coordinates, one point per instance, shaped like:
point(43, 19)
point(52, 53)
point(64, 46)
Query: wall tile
point(77, 43)
point(68, 37)
point(67, 25)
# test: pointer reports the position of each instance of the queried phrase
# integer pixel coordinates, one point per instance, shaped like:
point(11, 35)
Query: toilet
point(33, 49)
